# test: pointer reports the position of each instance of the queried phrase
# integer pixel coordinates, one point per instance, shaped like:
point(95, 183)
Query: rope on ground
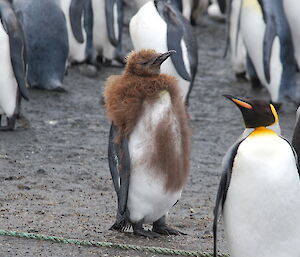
point(158, 250)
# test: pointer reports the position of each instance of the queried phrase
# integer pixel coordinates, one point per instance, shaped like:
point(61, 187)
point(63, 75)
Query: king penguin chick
point(149, 143)
point(259, 192)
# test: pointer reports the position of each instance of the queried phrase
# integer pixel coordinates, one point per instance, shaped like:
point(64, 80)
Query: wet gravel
point(54, 172)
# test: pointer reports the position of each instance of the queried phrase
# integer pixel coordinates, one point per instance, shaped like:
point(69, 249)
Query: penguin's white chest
point(148, 30)
point(147, 197)
point(76, 49)
point(8, 84)
point(261, 211)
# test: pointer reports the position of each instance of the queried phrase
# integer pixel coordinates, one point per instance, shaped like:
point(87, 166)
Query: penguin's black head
point(256, 113)
point(146, 62)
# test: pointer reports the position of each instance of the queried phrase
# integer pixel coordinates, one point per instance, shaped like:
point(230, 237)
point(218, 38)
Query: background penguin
point(259, 192)
point(13, 65)
point(234, 39)
point(46, 39)
point(107, 26)
point(296, 135)
point(292, 10)
point(162, 27)
point(149, 144)
point(268, 42)
point(73, 10)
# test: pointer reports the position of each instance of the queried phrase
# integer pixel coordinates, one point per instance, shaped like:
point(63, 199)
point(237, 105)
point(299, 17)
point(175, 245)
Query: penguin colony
point(149, 140)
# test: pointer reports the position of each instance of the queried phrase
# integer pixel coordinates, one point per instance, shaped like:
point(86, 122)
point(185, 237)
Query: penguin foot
point(145, 233)
point(255, 83)
point(11, 122)
point(161, 227)
point(138, 230)
point(165, 230)
point(121, 224)
point(241, 76)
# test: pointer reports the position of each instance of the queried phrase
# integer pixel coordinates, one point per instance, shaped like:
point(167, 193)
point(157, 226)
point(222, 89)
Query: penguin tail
point(121, 224)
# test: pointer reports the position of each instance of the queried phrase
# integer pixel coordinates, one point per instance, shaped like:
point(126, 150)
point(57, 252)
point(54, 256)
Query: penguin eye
point(144, 62)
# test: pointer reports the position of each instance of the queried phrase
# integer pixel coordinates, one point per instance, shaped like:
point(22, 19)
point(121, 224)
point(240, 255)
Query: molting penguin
point(259, 192)
point(160, 26)
point(46, 39)
point(13, 65)
point(268, 42)
point(107, 28)
point(149, 143)
point(73, 10)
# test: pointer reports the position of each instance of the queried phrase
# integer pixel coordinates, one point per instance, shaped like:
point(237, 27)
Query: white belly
point(8, 83)
point(148, 30)
point(237, 47)
point(147, 198)
point(76, 49)
point(292, 10)
point(100, 35)
point(253, 30)
point(261, 212)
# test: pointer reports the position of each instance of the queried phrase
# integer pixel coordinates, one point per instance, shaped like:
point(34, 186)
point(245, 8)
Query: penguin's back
point(158, 171)
point(263, 199)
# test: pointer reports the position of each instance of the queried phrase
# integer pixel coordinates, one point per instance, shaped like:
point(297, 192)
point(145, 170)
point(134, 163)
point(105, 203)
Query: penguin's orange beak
point(239, 102)
point(162, 57)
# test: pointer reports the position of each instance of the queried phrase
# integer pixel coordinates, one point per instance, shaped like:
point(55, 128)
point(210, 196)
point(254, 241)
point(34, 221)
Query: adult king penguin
point(149, 145)
point(268, 42)
point(160, 26)
point(46, 38)
point(13, 65)
point(107, 26)
point(259, 192)
point(73, 10)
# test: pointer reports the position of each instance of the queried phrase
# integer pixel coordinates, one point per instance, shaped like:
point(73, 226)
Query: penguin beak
point(162, 57)
point(239, 102)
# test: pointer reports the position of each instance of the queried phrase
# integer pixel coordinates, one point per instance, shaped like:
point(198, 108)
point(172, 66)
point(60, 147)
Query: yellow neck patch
point(274, 113)
point(263, 131)
point(252, 4)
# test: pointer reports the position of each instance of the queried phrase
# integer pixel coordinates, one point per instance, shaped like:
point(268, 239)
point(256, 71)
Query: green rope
point(158, 250)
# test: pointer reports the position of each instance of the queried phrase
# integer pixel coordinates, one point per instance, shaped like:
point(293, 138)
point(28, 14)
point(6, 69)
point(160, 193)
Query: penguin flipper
point(119, 165)
point(295, 155)
point(175, 33)
point(269, 36)
point(76, 11)
point(110, 5)
point(17, 50)
point(223, 187)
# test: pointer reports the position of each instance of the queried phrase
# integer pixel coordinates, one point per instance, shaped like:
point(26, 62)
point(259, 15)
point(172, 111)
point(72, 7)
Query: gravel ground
point(54, 170)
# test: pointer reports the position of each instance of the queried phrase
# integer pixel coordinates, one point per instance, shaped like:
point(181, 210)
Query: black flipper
point(294, 152)
point(76, 12)
point(222, 5)
point(119, 164)
point(16, 44)
point(269, 36)
point(223, 187)
point(175, 33)
point(110, 20)
point(177, 4)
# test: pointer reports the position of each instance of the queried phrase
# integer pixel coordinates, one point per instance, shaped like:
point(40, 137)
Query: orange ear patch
point(241, 103)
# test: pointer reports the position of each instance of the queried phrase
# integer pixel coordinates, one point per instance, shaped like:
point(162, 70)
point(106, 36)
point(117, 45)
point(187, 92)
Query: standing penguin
point(149, 145)
point(160, 26)
point(73, 11)
point(46, 39)
point(296, 135)
point(268, 42)
point(259, 192)
point(107, 26)
point(13, 65)
point(292, 10)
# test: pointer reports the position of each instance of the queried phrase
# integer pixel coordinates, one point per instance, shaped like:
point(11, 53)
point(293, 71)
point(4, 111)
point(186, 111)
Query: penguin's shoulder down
point(125, 96)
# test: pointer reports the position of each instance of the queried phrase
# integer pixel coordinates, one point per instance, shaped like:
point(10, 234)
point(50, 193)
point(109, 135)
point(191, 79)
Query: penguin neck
point(263, 131)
